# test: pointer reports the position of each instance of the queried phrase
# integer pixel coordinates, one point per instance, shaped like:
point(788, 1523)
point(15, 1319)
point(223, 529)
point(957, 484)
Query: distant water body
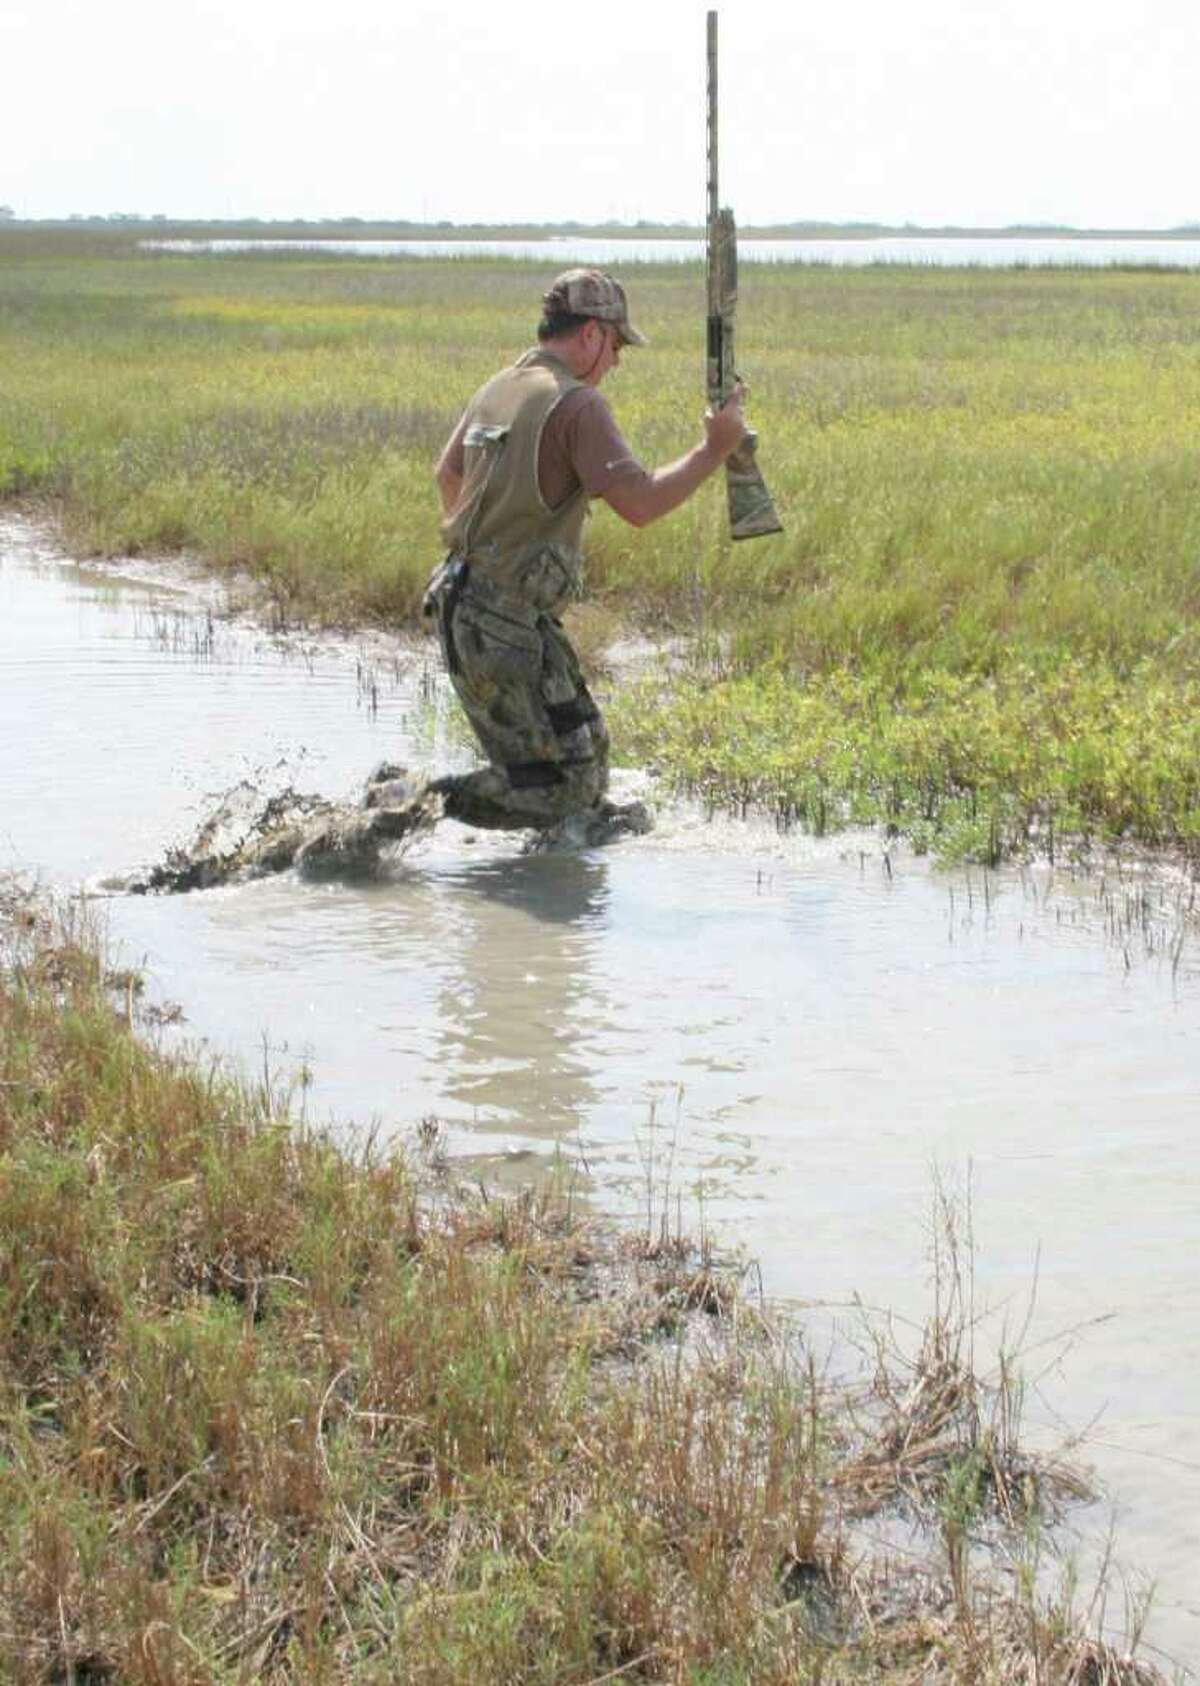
point(984, 252)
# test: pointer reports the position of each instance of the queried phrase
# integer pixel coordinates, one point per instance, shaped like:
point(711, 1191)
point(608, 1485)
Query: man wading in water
point(532, 447)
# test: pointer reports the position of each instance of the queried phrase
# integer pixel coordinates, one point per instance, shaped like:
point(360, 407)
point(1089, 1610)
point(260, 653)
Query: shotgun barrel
point(751, 508)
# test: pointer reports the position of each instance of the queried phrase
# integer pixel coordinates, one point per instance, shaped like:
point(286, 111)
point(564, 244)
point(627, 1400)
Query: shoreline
point(625, 665)
point(196, 1270)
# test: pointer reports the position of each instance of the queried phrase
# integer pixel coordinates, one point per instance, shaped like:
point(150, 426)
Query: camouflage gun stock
point(751, 510)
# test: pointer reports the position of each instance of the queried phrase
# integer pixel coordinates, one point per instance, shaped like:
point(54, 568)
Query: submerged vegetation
point(981, 625)
point(272, 1409)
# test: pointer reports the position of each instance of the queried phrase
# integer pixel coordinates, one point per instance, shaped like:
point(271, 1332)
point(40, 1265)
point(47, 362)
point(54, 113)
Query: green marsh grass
point(278, 1409)
point(980, 625)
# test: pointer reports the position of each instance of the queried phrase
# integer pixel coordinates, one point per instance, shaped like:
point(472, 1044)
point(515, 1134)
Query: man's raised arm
point(642, 498)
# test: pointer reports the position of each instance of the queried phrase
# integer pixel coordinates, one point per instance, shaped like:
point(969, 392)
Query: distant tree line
point(405, 227)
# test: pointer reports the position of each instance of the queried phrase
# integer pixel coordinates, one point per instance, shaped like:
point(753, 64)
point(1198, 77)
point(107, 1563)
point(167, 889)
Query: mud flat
point(790, 1032)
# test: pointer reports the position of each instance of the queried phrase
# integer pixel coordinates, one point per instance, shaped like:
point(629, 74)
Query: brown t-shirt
point(581, 446)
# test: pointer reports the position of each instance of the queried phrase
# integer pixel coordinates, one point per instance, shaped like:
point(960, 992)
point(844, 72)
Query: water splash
point(245, 837)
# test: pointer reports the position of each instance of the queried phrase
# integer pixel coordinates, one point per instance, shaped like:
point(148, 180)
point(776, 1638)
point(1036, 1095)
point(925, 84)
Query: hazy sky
point(1077, 111)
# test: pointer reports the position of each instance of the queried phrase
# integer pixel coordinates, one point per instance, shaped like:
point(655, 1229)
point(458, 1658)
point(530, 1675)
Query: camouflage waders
point(520, 685)
point(514, 561)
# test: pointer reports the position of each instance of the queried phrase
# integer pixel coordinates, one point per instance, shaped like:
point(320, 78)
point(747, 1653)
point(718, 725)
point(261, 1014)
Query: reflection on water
point(819, 1032)
point(515, 1011)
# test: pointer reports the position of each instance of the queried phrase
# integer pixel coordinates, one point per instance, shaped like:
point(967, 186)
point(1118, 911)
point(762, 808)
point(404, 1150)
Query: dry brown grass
point(274, 1410)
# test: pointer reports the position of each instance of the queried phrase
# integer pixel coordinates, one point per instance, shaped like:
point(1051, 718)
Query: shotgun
point(751, 511)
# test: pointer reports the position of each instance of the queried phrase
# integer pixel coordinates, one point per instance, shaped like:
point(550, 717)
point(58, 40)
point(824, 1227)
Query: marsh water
point(793, 1038)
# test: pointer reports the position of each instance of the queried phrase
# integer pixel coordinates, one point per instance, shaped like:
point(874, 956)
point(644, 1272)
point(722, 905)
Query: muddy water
point(798, 1034)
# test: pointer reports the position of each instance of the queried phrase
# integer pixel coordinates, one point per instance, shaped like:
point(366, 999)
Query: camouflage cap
point(589, 292)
